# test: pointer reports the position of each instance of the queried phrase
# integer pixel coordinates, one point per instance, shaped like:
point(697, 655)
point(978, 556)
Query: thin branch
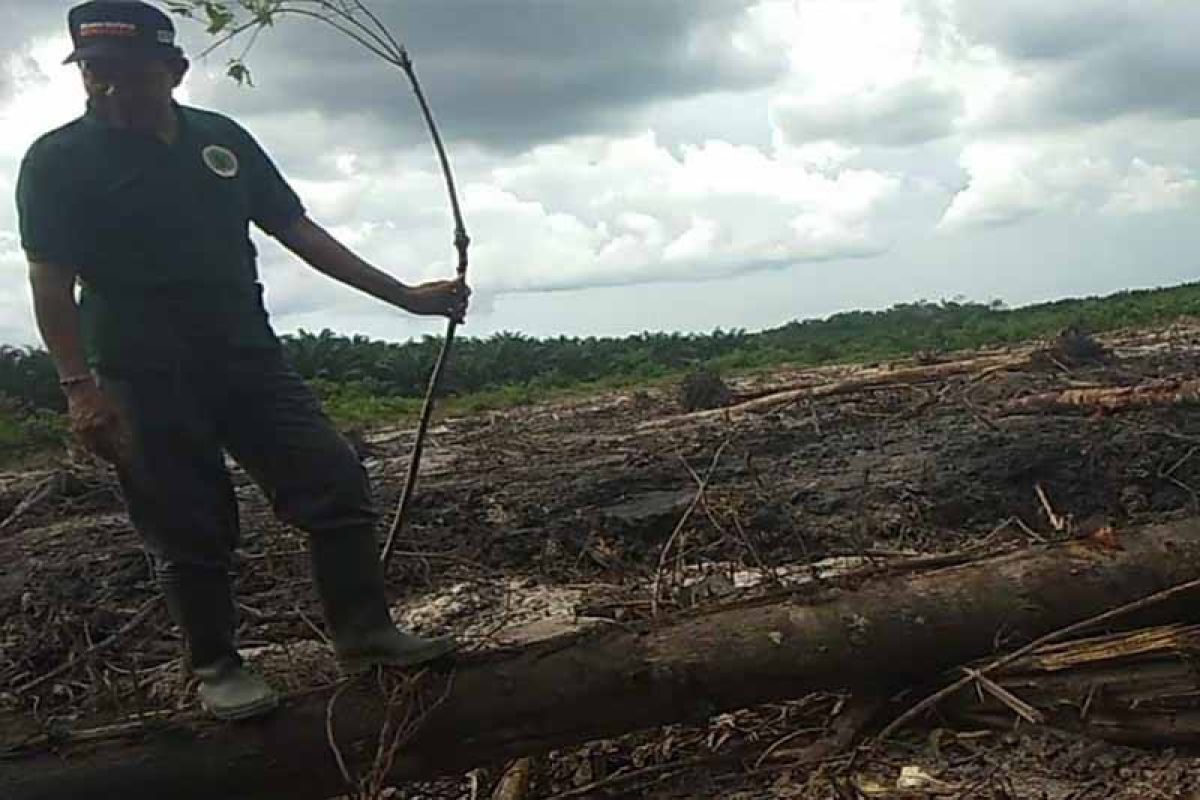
point(414, 464)
point(461, 240)
point(331, 738)
point(363, 36)
point(656, 588)
point(233, 34)
point(387, 44)
point(142, 614)
point(249, 45)
point(379, 24)
point(388, 57)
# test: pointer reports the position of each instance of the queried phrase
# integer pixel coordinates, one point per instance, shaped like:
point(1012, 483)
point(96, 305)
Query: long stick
point(461, 243)
point(379, 40)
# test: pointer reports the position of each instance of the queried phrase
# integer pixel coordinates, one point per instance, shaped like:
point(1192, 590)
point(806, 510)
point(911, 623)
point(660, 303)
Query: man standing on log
point(168, 359)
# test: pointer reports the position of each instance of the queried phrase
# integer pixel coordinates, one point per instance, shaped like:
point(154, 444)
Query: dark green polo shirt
point(158, 233)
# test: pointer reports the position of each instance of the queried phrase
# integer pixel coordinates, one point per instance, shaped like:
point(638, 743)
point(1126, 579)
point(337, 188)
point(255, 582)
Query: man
point(168, 358)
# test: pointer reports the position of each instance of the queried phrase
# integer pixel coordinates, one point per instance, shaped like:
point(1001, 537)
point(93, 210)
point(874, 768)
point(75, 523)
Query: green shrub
point(24, 431)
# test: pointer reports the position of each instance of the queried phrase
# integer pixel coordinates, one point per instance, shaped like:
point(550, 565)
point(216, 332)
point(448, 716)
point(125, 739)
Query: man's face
point(130, 92)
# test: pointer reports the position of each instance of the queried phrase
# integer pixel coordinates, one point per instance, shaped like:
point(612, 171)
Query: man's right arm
point(95, 418)
point(57, 315)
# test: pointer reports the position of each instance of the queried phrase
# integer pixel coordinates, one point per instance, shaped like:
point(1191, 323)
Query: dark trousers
point(255, 407)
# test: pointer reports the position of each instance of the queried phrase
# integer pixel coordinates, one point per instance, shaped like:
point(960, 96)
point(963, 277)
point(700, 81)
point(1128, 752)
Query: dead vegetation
point(619, 511)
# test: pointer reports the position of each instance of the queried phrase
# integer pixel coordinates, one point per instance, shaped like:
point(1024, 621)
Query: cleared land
point(621, 512)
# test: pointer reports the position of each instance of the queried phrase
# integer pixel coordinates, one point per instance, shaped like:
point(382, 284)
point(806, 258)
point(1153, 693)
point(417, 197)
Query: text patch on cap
point(127, 29)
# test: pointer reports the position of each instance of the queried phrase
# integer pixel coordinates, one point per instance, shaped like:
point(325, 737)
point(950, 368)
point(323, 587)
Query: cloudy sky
point(632, 165)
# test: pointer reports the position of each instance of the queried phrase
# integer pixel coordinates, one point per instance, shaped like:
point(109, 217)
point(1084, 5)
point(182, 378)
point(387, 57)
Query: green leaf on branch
point(239, 72)
point(219, 16)
point(183, 8)
point(263, 10)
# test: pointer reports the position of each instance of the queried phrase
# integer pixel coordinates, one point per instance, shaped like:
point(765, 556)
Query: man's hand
point(438, 298)
point(98, 424)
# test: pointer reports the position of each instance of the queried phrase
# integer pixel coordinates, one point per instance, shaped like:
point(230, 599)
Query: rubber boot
point(349, 580)
point(201, 603)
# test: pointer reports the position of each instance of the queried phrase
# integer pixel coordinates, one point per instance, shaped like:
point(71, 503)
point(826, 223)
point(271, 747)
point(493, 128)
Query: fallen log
point(1107, 399)
point(873, 379)
point(614, 680)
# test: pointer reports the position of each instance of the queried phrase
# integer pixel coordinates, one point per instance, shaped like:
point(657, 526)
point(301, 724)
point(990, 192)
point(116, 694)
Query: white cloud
point(1012, 179)
point(602, 211)
point(1147, 188)
point(636, 212)
point(911, 113)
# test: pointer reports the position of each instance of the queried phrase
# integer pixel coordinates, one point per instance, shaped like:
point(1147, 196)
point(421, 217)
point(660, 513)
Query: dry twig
point(137, 619)
point(1057, 522)
point(406, 712)
point(656, 588)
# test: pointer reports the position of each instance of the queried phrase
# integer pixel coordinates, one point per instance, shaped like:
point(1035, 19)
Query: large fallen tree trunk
point(617, 680)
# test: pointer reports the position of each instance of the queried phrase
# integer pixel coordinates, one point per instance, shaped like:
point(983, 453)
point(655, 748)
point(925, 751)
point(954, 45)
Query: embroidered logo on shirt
point(220, 160)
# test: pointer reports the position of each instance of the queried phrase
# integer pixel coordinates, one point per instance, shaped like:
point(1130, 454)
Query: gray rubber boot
point(201, 603)
point(349, 580)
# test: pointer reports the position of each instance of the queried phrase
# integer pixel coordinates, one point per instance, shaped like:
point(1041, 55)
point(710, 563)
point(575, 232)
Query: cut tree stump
point(613, 680)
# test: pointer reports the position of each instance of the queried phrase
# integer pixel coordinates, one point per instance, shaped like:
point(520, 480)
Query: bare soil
point(528, 521)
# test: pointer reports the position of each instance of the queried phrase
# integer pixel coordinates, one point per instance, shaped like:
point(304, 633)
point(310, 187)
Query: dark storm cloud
point(508, 74)
point(1092, 60)
point(910, 114)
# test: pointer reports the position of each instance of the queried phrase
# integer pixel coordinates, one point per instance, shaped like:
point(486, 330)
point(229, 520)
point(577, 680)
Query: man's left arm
point(324, 253)
point(278, 211)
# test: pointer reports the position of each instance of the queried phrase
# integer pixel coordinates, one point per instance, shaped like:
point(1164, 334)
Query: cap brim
point(122, 52)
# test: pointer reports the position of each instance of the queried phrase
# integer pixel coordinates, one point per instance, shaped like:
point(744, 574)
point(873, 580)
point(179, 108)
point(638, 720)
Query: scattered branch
point(656, 587)
point(1058, 635)
point(137, 619)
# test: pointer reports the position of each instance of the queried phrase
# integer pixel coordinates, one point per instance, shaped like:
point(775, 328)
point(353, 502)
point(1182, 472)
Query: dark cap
point(126, 29)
